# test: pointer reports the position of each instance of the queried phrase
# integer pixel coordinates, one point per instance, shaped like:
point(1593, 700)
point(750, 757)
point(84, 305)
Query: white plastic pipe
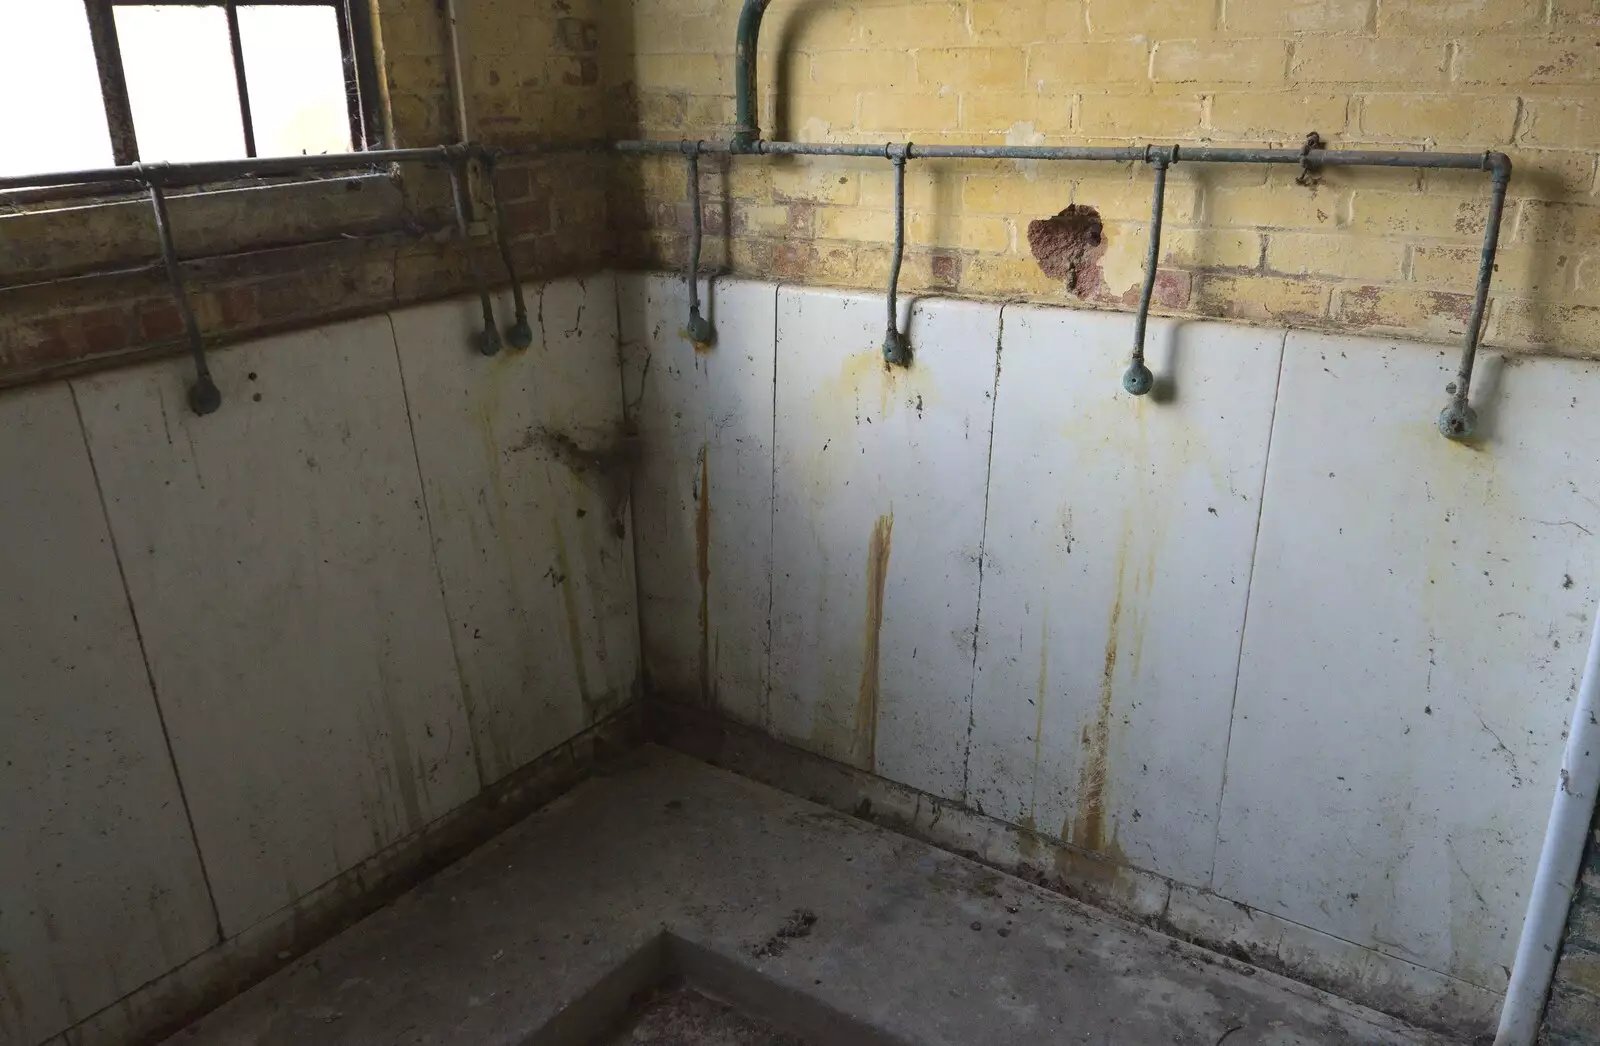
point(1557, 877)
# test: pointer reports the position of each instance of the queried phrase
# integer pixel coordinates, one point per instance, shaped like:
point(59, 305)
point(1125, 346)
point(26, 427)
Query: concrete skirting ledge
point(157, 1009)
point(818, 923)
point(1392, 985)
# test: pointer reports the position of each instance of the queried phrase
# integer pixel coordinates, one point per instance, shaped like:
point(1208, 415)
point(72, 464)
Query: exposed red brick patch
point(1069, 246)
point(791, 259)
point(159, 321)
point(1173, 290)
point(946, 270)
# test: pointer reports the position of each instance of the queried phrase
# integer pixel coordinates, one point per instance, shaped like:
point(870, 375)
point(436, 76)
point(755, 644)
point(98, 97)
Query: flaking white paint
point(1416, 629)
point(1120, 533)
point(100, 884)
point(278, 560)
point(534, 544)
point(704, 420)
point(877, 528)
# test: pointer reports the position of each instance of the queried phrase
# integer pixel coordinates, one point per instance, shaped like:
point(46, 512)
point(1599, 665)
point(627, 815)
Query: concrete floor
point(816, 924)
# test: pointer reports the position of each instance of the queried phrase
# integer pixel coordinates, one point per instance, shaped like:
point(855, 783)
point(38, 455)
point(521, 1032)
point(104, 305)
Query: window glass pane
point(295, 72)
point(51, 115)
point(179, 68)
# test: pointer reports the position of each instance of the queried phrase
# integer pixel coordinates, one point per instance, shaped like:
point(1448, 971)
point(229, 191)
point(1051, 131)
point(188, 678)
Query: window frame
point(362, 103)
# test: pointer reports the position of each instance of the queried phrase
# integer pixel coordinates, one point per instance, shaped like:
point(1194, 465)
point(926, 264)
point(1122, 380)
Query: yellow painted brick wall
point(1370, 250)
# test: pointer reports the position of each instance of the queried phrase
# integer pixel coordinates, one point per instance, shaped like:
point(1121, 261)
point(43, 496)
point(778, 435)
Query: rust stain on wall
point(702, 551)
point(869, 388)
point(1089, 827)
point(866, 725)
point(700, 347)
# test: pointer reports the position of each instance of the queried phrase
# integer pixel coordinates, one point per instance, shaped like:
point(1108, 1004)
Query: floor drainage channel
point(673, 992)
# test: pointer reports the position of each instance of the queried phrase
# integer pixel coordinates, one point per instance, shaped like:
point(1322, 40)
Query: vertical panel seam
point(1249, 593)
point(433, 557)
point(144, 657)
point(630, 427)
point(983, 542)
point(772, 519)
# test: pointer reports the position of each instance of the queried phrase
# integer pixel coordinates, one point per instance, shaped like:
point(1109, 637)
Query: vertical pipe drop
point(1137, 379)
point(699, 328)
point(488, 342)
point(1458, 420)
point(204, 396)
point(896, 348)
point(746, 129)
point(520, 333)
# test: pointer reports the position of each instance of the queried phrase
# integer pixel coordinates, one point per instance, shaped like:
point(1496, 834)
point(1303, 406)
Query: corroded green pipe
point(746, 131)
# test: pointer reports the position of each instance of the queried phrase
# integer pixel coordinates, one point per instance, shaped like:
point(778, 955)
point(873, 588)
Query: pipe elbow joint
point(1137, 379)
point(1458, 422)
point(699, 329)
point(896, 349)
point(204, 396)
point(1499, 165)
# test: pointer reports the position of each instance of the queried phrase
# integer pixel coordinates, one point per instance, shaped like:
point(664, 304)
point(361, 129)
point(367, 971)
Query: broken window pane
point(179, 68)
point(53, 118)
point(295, 74)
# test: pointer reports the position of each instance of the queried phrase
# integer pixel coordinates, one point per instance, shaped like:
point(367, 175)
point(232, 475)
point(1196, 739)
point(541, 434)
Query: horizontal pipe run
point(1171, 154)
point(175, 174)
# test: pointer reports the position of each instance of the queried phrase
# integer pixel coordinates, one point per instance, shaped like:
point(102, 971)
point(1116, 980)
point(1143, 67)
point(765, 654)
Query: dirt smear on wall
point(866, 723)
point(604, 458)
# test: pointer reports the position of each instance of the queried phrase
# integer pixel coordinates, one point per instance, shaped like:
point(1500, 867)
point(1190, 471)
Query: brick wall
point(1372, 250)
point(81, 284)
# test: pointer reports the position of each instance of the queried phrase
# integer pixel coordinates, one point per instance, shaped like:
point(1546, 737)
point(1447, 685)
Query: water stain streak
point(866, 724)
point(1089, 831)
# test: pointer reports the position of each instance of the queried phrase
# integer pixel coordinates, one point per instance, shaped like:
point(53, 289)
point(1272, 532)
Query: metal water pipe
point(699, 328)
point(746, 127)
point(1138, 380)
point(897, 346)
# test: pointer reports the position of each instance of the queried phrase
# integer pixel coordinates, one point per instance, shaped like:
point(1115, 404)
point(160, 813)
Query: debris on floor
point(682, 1016)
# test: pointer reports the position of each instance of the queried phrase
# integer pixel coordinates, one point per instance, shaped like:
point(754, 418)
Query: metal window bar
point(240, 81)
point(113, 86)
point(355, 48)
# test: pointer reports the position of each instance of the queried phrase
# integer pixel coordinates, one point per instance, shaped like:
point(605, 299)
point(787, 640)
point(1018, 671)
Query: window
point(90, 83)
